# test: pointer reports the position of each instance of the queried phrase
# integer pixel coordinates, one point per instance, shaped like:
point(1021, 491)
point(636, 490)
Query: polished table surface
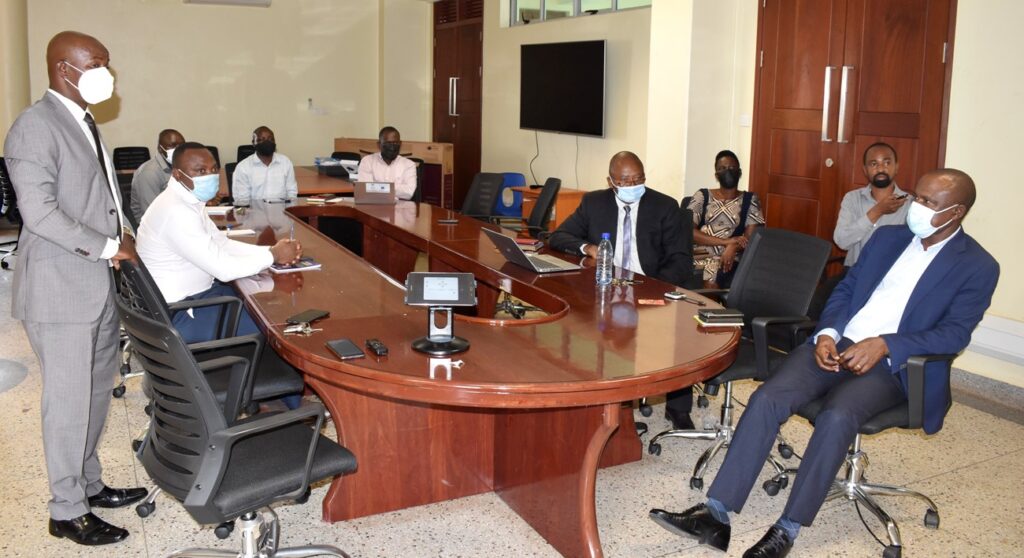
point(529, 411)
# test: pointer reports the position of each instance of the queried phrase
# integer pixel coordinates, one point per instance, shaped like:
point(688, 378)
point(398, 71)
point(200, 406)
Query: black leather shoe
point(697, 523)
point(680, 421)
point(116, 497)
point(88, 530)
point(774, 544)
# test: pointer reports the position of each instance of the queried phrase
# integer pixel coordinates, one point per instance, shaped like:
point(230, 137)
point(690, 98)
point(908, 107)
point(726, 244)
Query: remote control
point(378, 348)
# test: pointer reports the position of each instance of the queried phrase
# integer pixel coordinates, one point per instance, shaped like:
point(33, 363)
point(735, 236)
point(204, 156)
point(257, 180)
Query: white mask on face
point(95, 85)
point(919, 219)
point(170, 154)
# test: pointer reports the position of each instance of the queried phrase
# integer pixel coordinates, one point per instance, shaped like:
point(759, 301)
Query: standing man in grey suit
point(74, 232)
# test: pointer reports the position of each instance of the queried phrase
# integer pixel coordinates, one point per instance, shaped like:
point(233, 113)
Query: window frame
point(513, 12)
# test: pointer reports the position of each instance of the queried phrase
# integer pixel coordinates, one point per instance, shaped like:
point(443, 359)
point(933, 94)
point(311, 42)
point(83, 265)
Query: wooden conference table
point(309, 181)
point(534, 407)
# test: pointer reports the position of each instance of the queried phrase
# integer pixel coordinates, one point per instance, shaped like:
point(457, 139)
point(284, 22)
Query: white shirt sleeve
point(830, 332)
point(211, 250)
point(241, 187)
point(290, 186)
point(109, 249)
point(405, 186)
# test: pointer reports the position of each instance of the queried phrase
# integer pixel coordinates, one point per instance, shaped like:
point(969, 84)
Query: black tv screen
point(562, 87)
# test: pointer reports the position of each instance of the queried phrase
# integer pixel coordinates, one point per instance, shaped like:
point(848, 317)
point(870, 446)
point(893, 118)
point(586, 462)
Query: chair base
point(853, 487)
point(260, 537)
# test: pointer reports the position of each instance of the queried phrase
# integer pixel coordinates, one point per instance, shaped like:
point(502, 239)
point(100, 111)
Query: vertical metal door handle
point(826, 101)
point(451, 87)
point(843, 86)
point(455, 97)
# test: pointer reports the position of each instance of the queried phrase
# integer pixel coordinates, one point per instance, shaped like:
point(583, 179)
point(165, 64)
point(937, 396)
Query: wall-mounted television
point(561, 87)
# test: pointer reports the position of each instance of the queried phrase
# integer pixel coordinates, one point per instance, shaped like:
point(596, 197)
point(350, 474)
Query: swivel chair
point(773, 286)
point(128, 159)
point(223, 468)
point(908, 415)
point(482, 195)
point(540, 215)
point(9, 209)
point(244, 151)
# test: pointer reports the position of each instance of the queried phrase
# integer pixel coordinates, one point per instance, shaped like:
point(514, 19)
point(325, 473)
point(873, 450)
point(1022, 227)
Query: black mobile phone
point(345, 349)
point(308, 317)
point(447, 221)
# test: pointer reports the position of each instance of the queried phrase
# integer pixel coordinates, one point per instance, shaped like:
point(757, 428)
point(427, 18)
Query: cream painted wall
point(217, 72)
point(14, 88)
point(507, 148)
point(985, 140)
point(406, 67)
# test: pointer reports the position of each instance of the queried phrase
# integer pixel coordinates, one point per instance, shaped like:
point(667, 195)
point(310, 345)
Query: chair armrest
point(217, 349)
point(759, 330)
point(915, 385)
point(239, 382)
point(218, 449)
point(227, 319)
point(717, 295)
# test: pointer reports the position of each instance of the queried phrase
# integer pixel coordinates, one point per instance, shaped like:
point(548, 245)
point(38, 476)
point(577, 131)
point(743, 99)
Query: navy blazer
point(944, 308)
point(660, 242)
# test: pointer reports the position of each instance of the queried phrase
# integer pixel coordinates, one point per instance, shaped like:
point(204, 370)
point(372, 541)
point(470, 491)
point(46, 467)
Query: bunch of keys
point(620, 282)
point(303, 329)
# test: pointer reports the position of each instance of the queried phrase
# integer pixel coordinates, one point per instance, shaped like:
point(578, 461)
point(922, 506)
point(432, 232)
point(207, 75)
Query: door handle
point(826, 101)
point(455, 96)
point(843, 87)
point(451, 88)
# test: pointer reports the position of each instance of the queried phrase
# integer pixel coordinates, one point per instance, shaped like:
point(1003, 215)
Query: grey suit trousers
point(79, 363)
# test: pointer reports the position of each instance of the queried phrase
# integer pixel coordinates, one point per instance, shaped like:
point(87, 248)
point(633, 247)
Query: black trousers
point(851, 401)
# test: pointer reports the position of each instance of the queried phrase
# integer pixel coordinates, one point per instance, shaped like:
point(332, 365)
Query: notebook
point(304, 264)
point(540, 263)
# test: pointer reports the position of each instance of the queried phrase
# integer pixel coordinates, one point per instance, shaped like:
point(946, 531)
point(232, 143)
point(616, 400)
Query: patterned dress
point(720, 221)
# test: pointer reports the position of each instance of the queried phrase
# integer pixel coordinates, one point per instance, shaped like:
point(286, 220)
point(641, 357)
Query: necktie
point(627, 237)
point(99, 147)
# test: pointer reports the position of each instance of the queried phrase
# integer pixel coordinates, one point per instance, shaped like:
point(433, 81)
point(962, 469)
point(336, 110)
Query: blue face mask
point(630, 194)
point(205, 187)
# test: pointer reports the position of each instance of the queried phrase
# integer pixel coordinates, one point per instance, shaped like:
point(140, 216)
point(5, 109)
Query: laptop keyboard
point(547, 263)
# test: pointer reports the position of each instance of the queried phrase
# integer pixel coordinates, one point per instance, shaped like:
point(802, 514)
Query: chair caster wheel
point(892, 551)
point(304, 498)
point(654, 449)
point(252, 408)
point(772, 487)
point(118, 392)
point(136, 444)
point(931, 519)
point(696, 484)
point(646, 410)
point(224, 530)
point(145, 509)
point(641, 428)
point(702, 401)
point(786, 451)
point(148, 409)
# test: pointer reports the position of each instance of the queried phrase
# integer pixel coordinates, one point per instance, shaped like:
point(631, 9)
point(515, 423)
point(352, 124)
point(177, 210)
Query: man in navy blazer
point(647, 232)
point(916, 289)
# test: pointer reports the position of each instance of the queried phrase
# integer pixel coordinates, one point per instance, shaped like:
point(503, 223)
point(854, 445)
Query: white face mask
point(919, 219)
point(95, 85)
point(170, 153)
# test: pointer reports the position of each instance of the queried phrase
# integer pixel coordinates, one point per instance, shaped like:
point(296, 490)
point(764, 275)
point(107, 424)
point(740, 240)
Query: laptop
point(374, 193)
point(539, 263)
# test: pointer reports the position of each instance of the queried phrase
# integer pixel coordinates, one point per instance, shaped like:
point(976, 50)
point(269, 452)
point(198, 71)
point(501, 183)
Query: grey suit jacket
point(68, 213)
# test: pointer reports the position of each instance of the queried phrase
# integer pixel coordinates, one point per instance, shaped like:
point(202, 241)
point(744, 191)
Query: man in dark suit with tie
point(647, 233)
point(916, 289)
point(74, 231)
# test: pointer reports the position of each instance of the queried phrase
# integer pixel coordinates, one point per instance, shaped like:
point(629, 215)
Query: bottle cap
point(606, 236)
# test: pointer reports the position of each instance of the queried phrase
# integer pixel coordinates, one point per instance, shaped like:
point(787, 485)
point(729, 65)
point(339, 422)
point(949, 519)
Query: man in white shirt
point(265, 175)
point(917, 289)
point(188, 257)
point(389, 166)
point(151, 177)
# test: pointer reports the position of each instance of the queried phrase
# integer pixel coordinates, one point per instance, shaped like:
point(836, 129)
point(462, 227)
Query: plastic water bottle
point(605, 255)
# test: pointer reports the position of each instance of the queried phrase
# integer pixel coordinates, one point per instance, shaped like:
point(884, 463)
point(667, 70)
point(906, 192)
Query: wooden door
point(835, 77)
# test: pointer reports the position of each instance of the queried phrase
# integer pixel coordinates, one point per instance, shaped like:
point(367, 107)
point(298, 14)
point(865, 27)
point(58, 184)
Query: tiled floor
point(973, 469)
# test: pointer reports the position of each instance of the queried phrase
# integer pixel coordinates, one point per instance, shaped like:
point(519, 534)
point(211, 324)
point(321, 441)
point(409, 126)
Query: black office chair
point(773, 286)
point(223, 468)
point(128, 159)
point(540, 215)
point(482, 195)
point(853, 486)
point(216, 153)
point(229, 174)
point(9, 209)
point(244, 151)
point(417, 196)
point(346, 156)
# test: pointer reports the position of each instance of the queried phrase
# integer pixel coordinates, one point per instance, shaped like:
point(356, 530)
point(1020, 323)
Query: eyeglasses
point(628, 180)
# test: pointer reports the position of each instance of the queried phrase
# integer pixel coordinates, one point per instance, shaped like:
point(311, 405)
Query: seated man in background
point(389, 166)
point(723, 221)
point(264, 175)
point(186, 254)
point(151, 177)
point(647, 235)
point(916, 290)
point(879, 203)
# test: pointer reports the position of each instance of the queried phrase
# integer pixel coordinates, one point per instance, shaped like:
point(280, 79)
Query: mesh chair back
point(185, 410)
point(244, 151)
point(778, 273)
point(482, 194)
point(130, 158)
point(346, 156)
point(417, 196)
point(140, 291)
point(9, 204)
point(541, 213)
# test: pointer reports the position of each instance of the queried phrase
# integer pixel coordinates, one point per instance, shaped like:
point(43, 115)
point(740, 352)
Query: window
point(530, 11)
